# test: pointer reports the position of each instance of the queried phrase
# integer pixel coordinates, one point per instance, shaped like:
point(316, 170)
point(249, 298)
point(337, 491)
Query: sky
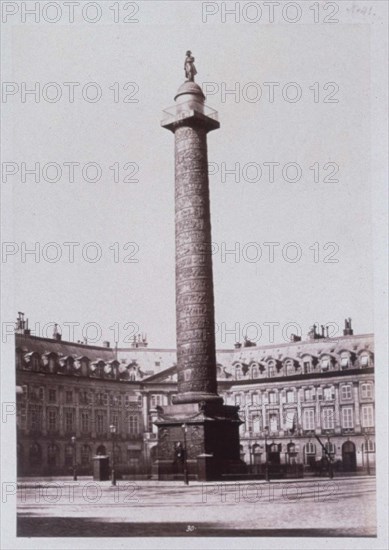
point(326, 134)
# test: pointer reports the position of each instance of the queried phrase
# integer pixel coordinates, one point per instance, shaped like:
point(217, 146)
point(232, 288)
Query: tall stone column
point(196, 358)
point(197, 421)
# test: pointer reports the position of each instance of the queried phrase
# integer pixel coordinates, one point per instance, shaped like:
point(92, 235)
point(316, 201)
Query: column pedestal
point(212, 441)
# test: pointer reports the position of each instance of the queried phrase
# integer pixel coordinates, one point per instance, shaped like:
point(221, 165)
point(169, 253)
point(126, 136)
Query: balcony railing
point(188, 109)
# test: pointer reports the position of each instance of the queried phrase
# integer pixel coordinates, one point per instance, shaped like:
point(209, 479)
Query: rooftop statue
point(190, 69)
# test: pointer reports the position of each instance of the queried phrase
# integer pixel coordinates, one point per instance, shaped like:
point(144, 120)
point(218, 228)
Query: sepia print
point(193, 321)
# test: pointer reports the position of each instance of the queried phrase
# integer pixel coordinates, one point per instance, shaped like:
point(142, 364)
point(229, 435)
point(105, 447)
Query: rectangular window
point(85, 422)
point(272, 397)
point(52, 396)
point(308, 394)
point(100, 423)
point(309, 419)
point(69, 421)
point(347, 417)
point(273, 422)
point(69, 396)
point(133, 424)
point(364, 361)
point(329, 394)
point(255, 424)
point(290, 396)
point(344, 362)
point(345, 392)
point(115, 421)
point(328, 418)
point(35, 419)
point(366, 391)
point(52, 421)
point(156, 400)
point(367, 416)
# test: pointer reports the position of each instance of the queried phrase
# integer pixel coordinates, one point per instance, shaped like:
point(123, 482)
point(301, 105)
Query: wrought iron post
point(74, 458)
point(185, 457)
point(112, 429)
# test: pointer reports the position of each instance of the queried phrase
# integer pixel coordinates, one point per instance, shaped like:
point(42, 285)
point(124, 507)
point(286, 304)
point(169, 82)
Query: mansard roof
point(158, 365)
point(61, 348)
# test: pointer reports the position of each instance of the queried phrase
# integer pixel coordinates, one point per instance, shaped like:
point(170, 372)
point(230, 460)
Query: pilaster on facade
point(355, 387)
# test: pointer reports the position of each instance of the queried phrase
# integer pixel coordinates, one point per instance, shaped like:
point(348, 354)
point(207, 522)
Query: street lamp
point(74, 458)
point(186, 478)
point(266, 433)
point(112, 429)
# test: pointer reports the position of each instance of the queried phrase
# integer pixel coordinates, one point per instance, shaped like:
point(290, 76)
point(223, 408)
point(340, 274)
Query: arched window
point(52, 366)
point(84, 366)
point(35, 362)
point(101, 450)
point(238, 372)
point(291, 447)
point(132, 375)
point(271, 368)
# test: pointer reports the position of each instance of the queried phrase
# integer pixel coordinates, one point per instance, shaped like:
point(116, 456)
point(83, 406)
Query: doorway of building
point(349, 457)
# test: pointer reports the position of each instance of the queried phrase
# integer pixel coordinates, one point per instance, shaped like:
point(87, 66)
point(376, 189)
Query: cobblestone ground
point(61, 508)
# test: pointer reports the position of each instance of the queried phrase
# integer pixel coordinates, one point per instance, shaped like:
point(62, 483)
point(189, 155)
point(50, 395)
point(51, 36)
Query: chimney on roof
point(27, 331)
point(347, 331)
point(295, 338)
point(19, 328)
point(106, 344)
point(237, 345)
point(56, 334)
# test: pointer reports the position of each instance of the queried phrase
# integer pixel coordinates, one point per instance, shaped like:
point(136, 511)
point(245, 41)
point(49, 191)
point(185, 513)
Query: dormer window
point(271, 368)
point(364, 361)
point(325, 364)
point(306, 367)
point(344, 362)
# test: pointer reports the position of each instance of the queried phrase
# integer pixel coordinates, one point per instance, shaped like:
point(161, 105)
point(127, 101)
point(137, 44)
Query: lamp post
point(266, 433)
point(112, 429)
point(186, 478)
point(74, 458)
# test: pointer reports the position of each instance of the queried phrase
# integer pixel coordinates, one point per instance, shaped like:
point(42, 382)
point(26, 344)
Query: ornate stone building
point(295, 398)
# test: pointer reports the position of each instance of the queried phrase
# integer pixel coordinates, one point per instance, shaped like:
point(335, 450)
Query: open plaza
point(60, 507)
